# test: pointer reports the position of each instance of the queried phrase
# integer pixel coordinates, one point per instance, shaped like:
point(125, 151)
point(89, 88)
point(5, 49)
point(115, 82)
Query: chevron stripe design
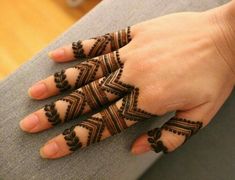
point(112, 84)
point(129, 109)
point(110, 63)
point(76, 105)
point(113, 119)
point(95, 126)
point(88, 70)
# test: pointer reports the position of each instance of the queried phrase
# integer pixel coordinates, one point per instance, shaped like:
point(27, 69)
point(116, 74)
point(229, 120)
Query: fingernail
point(48, 150)
point(29, 122)
point(58, 53)
point(37, 90)
point(140, 149)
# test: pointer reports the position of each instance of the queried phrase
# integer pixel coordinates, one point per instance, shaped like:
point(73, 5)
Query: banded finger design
point(108, 42)
point(179, 126)
point(87, 71)
point(113, 119)
point(89, 97)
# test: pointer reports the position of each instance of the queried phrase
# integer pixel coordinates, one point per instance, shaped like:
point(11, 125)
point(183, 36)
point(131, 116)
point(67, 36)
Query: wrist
point(223, 19)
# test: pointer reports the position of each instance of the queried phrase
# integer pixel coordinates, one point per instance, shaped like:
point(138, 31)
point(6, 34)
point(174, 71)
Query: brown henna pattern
point(71, 139)
point(114, 40)
point(113, 85)
point(52, 114)
point(61, 83)
point(78, 50)
point(129, 108)
point(107, 63)
point(95, 96)
point(76, 105)
point(175, 125)
point(114, 118)
point(156, 144)
point(182, 127)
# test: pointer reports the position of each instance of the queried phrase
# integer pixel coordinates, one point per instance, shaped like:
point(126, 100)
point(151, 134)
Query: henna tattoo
point(61, 83)
point(88, 70)
point(52, 114)
point(115, 40)
point(182, 127)
point(114, 118)
point(95, 126)
point(78, 50)
point(95, 96)
point(114, 122)
point(175, 125)
point(156, 144)
point(99, 46)
point(129, 108)
point(113, 85)
point(71, 139)
point(110, 62)
point(76, 105)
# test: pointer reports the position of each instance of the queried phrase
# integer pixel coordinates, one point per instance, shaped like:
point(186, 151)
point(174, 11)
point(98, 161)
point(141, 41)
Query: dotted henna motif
point(182, 127)
point(175, 125)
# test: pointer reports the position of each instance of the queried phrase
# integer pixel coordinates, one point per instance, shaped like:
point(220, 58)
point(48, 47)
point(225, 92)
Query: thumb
point(174, 132)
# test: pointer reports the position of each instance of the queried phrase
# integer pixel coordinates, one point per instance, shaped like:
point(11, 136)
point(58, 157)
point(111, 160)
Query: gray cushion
point(110, 159)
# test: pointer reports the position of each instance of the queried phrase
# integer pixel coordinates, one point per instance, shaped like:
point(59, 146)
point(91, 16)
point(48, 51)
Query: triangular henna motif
point(87, 72)
point(129, 109)
point(112, 84)
point(95, 127)
point(76, 105)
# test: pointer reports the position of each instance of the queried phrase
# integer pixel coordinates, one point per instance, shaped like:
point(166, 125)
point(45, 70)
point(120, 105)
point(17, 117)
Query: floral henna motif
point(175, 125)
point(71, 139)
point(156, 144)
point(61, 83)
point(78, 50)
point(88, 69)
point(115, 40)
point(52, 114)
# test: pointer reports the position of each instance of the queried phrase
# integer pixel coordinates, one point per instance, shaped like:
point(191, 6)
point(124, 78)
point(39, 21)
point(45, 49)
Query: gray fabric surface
point(210, 155)
point(110, 159)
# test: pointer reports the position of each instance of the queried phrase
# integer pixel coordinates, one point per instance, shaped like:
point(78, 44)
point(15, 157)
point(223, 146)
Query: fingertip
point(62, 54)
point(140, 146)
point(38, 90)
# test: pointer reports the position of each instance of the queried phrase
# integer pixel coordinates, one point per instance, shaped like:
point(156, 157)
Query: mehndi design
point(94, 95)
point(107, 63)
point(114, 40)
point(61, 83)
point(114, 118)
point(71, 139)
point(175, 125)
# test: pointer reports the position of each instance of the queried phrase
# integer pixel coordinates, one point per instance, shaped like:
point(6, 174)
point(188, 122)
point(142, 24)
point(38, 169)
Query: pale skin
point(183, 62)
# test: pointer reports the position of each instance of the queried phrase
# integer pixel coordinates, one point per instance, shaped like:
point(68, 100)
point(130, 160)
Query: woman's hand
point(179, 62)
